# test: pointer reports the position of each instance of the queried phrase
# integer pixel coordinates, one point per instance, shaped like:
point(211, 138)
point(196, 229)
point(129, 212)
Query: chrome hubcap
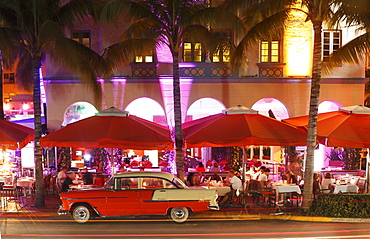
point(179, 213)
point(80, 214)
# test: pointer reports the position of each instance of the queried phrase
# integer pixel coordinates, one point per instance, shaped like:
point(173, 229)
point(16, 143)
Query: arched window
point(271, 107)
point(204, 107)
point(148, 109)
point(329, 106)
point(78, 111)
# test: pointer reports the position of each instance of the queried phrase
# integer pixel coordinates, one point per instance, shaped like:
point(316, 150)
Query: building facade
point(277, 77)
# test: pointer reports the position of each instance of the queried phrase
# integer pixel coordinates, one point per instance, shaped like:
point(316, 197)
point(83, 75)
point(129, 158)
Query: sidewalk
point(250, 212)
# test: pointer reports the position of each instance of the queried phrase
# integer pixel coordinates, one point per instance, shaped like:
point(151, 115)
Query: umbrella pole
point(367, 170)
point(112, 161)
point(243, 165)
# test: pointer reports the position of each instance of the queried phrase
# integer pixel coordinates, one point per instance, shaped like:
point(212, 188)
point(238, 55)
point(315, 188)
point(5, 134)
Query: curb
point(296, 218)
point(241, 215)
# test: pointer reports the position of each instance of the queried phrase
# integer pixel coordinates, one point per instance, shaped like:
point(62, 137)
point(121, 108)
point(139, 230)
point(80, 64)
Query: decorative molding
point(271, 69)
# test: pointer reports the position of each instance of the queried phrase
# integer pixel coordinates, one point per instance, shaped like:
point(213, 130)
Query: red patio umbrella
point(111, 128)
point(349, 127)
point(239, 126)
point(14, 136)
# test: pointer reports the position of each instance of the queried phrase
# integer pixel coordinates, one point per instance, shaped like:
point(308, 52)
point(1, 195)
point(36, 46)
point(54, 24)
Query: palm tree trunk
point(177, 115)
point(40, 200)
point(312, 120)
point(2, 114)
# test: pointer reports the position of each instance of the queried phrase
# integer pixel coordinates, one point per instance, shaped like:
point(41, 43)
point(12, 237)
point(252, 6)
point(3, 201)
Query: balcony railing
point(144, 69)
point(205, 70)
point(271, 69)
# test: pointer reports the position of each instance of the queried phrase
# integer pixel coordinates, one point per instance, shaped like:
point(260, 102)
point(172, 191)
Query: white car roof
point(145, 174)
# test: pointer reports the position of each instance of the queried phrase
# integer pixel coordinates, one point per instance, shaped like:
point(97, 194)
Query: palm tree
point(320, 12)
point(157, 22)
point(31, 29)
point(317, 12)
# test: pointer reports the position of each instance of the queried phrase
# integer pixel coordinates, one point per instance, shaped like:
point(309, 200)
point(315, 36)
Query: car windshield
point(178, 182)
point(109, 183)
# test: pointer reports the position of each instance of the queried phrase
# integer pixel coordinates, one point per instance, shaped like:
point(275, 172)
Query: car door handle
point(136, 191)
point(162, 191)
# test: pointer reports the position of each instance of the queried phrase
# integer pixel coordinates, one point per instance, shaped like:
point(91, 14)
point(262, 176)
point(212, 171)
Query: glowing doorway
point(329, 106)
point(148, 109)
point(271, 107)
point(78, 111)
point(204, 107)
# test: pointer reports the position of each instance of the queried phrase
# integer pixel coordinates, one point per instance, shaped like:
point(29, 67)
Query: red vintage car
point(138, 193)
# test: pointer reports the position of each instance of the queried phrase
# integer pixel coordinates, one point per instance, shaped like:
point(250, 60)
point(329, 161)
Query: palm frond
point(199, 33)
point(124, 52)
point(124, 9)
point(77, 58)
point(144, 27)
point(48, 32)
point(76, 10)
point(23, 72)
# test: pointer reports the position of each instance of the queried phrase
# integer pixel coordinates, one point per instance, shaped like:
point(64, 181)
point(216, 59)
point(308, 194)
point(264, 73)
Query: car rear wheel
point(179, 214)
point(81, 213)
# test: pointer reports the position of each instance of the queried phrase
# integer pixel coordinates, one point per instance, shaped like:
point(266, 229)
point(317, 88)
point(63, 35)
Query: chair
point(269, 195)
point(361, 184)
point(254, 190)
point(238, 197)
point(11, 193)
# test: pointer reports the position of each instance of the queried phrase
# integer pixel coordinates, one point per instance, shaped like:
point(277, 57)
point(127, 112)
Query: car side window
point(168, 184)
point(152, 183)
point(129, 183)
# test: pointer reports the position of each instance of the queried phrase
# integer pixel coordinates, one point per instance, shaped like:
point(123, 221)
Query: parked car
point(138, 193)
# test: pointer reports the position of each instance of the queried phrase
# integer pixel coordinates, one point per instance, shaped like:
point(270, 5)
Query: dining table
point(6, 179)
point(81, 186)
point(27, 184)
point(285, 190)
point(345, 188)
point(221, 191)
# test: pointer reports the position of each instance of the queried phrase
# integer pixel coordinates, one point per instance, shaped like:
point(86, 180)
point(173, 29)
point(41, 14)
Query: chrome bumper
point(214, 207)
point(62, 212)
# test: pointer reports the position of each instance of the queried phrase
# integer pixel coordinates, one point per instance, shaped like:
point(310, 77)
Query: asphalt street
point(63, 227)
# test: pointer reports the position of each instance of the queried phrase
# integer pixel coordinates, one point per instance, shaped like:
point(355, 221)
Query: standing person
point(291, 178)
point(62, 175)
point(200, 167)
point(215, 168)
point(235, 184)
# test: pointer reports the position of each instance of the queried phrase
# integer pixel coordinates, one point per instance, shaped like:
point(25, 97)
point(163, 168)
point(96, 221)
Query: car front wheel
point(179, 214)
point(81, 214)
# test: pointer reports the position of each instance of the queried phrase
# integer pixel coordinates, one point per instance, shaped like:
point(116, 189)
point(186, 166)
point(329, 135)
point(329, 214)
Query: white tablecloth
point(350, 188)
point(6, 179)
point(81, 186)
point(221, 191)
point(25, 182)
point(286, 188)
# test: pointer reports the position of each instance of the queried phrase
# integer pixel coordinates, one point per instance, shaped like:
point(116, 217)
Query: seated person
point(192, 180)
point(87, 177)
point(326, 184)
point(216, 177)
point(68, 181)
point(234, 182)
point(263, 179)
